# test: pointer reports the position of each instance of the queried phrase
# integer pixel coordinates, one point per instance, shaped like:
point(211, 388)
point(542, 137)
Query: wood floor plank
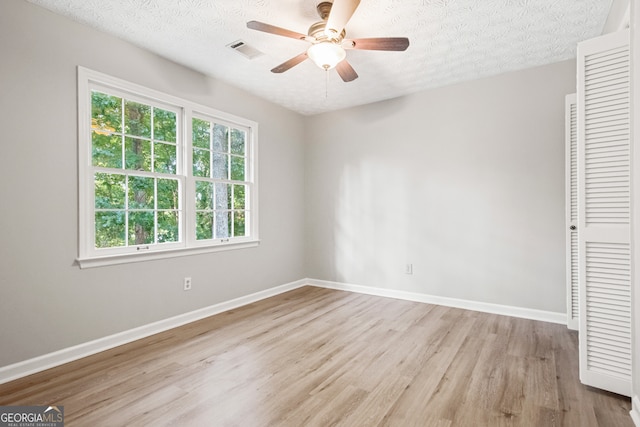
point(320, 357)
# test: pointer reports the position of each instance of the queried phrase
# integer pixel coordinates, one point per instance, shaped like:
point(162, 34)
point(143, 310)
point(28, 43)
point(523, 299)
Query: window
point(219, 169)
point(160, 176)
point(134, 158)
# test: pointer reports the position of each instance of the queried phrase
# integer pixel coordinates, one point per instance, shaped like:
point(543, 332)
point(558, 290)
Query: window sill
point(160, 254)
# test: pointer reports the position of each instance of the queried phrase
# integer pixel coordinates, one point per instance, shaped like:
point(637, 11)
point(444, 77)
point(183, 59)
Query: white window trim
point(88, 256)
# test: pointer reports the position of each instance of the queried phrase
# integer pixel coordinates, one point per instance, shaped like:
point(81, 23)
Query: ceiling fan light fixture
point(326, 54)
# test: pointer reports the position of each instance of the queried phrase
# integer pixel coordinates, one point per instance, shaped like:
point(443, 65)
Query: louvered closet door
point(571, 220)
point(604, 212)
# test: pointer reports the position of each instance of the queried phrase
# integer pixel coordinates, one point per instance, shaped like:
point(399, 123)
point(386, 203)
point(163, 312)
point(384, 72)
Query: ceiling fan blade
point(267, 28)
point(341, 13)
point(290, 63)
point(377, 43)
point(346, 71)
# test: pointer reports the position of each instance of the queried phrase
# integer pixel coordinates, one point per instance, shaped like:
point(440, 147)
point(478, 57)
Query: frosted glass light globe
point(326, 55)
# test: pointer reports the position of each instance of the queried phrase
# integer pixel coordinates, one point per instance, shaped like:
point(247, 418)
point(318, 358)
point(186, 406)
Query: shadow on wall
point(371, 228)
point(459, 237)
point(390, 213)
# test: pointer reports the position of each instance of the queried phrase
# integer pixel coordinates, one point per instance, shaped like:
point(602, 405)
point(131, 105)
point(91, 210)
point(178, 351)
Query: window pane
point(164, 158)
point(167, 193)
point(239, 197)
point(220, 166)
point(140, 192)
point(238, 224)
point(168, 227)
point(137, 119)
point(137, 154)
point(204, 225)
point(223, 196)
point(164, 125)
point(201, 163)
point(204, 195)
point(109, 191)
point(223, 225)
point(109, 229)
point(106, 112)
point(237, 168)
point(106, 150)
point(201, 133)
point(141, 227)
point(220, 138)
point(238, 138)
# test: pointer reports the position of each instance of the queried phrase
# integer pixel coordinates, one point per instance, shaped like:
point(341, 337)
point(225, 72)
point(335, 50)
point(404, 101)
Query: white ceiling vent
point(244, 49)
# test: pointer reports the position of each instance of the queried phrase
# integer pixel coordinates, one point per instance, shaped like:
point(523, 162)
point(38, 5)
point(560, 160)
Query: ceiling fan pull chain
point(326, 84)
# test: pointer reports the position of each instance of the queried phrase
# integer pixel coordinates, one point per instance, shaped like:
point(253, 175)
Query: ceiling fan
point(327, 38)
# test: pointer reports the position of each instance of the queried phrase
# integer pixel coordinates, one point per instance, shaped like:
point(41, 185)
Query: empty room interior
point(307, 213)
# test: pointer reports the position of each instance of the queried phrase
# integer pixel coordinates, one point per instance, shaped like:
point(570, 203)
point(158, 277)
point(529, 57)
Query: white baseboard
point(635, 410)
point(506, 310)
point(40, 363)
point(50, 360)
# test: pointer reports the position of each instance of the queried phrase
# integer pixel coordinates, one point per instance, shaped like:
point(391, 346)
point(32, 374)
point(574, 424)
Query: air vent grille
point(244, 49)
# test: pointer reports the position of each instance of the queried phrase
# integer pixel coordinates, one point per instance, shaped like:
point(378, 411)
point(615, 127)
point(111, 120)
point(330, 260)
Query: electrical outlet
point(408, 269)
point(187, 283)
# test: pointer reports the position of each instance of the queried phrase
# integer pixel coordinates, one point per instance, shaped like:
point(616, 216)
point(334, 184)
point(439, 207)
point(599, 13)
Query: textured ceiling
point(451, 41)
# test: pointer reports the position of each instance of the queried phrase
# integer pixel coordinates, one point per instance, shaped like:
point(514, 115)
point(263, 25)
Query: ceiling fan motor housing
point(317, 30)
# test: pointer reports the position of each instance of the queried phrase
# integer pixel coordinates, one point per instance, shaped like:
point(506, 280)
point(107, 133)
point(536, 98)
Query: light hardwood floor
point(319, 357)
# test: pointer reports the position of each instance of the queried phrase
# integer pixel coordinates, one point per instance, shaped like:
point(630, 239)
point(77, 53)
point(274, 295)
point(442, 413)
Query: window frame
point(88, 254)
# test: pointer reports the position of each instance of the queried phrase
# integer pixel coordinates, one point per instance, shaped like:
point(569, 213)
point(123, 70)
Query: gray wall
point(465, 182)
point(47, 303)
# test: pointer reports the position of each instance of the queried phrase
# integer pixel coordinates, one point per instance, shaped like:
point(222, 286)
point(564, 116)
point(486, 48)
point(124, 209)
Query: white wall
point(465, 182)
point(46, 302)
